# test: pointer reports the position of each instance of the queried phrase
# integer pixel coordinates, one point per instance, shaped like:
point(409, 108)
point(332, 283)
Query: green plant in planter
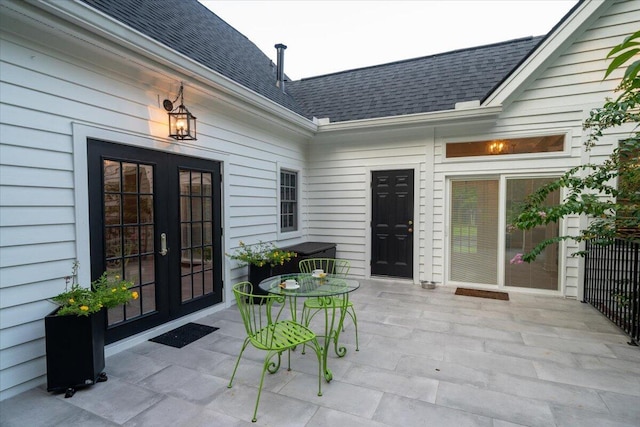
point(105, 292)
point(261, 254)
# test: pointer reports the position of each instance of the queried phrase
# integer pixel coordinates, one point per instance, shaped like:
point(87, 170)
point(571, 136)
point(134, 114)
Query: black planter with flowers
point(264, 260)
point(75, 351)
point(74, 332)
point(256, 275)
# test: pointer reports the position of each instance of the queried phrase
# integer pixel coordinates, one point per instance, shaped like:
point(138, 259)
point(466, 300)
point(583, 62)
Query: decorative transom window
point(288, 200)
point(537, 144)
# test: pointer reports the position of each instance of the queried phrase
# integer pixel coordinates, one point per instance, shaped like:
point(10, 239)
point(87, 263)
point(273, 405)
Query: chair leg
point(244, 346)
point(319, 351)
point(306, 320)
point(265, 365)
point(352, 313)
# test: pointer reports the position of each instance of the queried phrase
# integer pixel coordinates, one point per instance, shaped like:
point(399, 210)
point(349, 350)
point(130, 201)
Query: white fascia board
point(436, 118)
point(583, 16)
point(106, 27)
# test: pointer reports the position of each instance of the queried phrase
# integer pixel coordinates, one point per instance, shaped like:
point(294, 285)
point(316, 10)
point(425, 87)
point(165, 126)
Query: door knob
point(410, 230)
point(163, 244)
point(410, 222)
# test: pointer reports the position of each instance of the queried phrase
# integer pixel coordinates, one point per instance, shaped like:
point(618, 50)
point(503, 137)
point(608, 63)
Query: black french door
point(392, 223)
point(155, 219)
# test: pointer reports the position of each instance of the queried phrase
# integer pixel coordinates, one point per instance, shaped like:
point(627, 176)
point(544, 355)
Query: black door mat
point(185, 334)
point(482, 294)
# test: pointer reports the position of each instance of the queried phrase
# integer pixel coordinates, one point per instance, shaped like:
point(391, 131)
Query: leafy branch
point(614, 209)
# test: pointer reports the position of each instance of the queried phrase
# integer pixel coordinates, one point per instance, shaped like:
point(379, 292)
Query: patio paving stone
point(607, 380)
point(427, 357)
point(486, 332)
point(115, 400)
point(167, 412)
point(494, 404)
point(566, 344)
point(411, 386)
point(531, 353)
point(401, 411)
point(622, 406)
point(595, 362)
point(572, 417)
point(491, 362)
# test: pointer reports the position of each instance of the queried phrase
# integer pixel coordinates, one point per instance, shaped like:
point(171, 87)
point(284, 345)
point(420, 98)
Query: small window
point(288, 200)
point(540, 144)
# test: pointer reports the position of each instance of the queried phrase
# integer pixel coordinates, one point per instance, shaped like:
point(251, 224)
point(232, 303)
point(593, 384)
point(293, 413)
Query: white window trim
point(501, 177)
point(299, 185)
point(418, 228)
point(566, 152)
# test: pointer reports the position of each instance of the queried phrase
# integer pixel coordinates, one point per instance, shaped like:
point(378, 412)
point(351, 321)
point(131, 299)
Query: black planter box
point(257, 275)
point(305, 250)
point(75, 351)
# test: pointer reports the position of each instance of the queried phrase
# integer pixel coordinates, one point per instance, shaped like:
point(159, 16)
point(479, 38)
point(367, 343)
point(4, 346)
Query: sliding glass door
point(474, 231)
point(483, 242)
point(543, 272)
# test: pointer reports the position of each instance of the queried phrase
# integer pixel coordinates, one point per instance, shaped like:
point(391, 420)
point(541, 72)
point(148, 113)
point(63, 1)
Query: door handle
point(410, 222)
point(163, 244)
point(410, 230)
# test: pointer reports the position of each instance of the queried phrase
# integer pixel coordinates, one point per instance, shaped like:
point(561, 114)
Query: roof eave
point(117, 32)
point(437, 118)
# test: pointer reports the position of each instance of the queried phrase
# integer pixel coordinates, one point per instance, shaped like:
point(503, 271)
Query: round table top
point(310, 286)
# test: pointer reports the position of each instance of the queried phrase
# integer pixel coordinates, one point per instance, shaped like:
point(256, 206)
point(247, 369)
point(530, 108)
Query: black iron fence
point(612, 283)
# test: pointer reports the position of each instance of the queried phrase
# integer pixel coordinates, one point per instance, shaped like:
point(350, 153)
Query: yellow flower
point(134, 295)
point(124, 288)
point(117, 277)
point(84, 308)
point(71, 300)
point(113, 290)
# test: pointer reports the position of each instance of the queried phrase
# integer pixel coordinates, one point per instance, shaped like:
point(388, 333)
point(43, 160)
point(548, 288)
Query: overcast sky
point(327, 36)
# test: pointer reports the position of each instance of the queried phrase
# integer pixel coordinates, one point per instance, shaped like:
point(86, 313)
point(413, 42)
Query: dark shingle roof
point(420, 85)
point(193, 30)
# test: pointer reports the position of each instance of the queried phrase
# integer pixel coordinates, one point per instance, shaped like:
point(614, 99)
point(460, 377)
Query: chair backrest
point(258, 312)
point(339, 267)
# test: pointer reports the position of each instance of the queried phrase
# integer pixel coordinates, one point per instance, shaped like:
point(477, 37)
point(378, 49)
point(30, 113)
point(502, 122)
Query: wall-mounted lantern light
point(182, 124)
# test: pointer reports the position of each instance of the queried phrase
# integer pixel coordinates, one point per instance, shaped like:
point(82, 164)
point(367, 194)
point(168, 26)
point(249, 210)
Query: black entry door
point(392, 223)
point(155, 219)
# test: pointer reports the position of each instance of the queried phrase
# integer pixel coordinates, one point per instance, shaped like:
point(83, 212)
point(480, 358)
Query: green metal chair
point(338, 267)
point(267, 331)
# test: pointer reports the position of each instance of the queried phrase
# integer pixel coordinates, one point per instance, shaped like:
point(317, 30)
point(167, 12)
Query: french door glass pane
point(196, 223)
point(128, 233)
point(474, 231)
point(543, 272)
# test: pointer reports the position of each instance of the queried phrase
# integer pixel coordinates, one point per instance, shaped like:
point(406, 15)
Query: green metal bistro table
point(310, 286)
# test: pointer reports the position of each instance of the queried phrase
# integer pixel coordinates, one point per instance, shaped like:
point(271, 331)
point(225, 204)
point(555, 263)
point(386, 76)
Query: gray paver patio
point(427, 358)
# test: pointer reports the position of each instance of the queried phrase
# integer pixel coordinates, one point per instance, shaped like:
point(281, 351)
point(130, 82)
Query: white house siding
point(557, 102)
point(50, 82)
point(338, 188)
